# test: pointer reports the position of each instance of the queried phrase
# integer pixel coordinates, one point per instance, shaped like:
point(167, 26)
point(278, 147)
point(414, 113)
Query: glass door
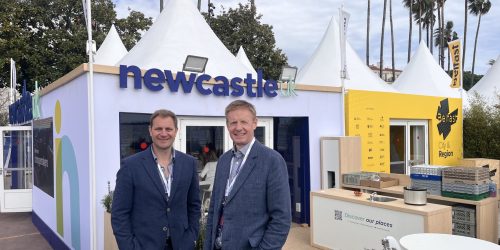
point(206, 139)
point(198, 134)
point(398, 147)
point(418, 143)
point(203, 138)
point(16, 170)
point(408, 145)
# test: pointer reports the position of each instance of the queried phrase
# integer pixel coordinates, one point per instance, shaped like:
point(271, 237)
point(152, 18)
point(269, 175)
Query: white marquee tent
point(323, 68)
point(179, 31)
point(423, 76)
point(489, 86)
point(242, 57)
point(111, 50)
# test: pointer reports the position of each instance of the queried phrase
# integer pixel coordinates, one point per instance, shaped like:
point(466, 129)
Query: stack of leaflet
point(427, 176)
point(355, 178)
point(463, 221)
point(469, 183)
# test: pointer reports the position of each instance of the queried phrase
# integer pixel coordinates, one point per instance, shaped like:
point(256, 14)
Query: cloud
point(299, 26)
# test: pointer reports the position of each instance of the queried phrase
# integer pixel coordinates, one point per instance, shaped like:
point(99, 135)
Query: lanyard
point(229, 185)
point(167, 182)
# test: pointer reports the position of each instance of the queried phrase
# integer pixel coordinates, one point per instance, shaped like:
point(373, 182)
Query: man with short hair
point(250, 205)
point(156, 202)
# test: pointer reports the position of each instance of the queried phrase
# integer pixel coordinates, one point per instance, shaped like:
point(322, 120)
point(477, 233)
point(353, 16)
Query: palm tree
point(442, 42)
point(424, 16)
point(382, 41)
point(409, 4)
point(477, 8)
point(392, 40)
point(454, 37)
point(368, 35)
point(446, 36)
point(428, 19)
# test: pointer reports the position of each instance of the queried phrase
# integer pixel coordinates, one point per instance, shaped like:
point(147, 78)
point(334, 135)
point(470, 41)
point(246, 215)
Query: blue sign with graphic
point(21, 111)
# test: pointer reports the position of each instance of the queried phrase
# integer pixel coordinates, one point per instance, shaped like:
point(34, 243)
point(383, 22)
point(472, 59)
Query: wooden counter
point(341, 220)
point(486, 209)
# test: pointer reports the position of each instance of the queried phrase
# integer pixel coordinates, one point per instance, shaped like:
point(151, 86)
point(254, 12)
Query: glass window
point(260, 133)
point(17, 156)
point(417, 145)
point(205, 143)
point(397, 149)
point(134, 133)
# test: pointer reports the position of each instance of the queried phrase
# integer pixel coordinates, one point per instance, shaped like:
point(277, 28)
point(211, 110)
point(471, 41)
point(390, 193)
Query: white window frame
point(407, 124)
point(183, 122)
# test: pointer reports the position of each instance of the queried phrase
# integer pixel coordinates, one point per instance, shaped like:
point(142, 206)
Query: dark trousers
point(168, 245)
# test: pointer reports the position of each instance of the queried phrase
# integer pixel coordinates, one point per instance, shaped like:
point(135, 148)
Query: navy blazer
point(257, 214)
point(141, 215)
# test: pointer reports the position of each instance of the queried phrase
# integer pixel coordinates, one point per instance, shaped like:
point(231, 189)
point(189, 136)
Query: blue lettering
point(237, 88)
point(124, 70)
point(21, 111)
point(270, 88)
point(259, 83)
point(153, 79)
point(221, 89)
point(199, 84)
point(291, 89)
point(250, 81)
point(180, 78)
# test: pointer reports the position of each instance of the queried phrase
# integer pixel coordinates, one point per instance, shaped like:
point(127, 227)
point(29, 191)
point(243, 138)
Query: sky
point(299, 26)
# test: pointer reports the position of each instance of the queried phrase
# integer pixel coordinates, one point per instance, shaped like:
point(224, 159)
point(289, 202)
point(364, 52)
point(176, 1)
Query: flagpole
point(90, 88)
point(461, 95)
point(12, 80)
point(343, 19)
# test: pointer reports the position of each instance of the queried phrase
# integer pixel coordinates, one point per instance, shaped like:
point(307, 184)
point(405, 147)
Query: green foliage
point(242, 27)
point(107, 201)
point(467, 75)
point(47, 38)
point(129, 28)
point(482, 129)
point(201, 234)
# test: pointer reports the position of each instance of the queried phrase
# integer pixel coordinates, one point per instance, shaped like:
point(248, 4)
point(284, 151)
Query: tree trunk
point(382, 41)
point(409, 32)
point(465, 36)
point(420, 21)
point(199, 5)
point(427, 34)
point(392, 41)
point(442, 33)
point(161, 6)
point(430, 31)
point(474, 54)
point(368, 35)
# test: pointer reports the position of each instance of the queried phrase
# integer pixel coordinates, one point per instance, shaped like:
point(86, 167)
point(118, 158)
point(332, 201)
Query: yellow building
point(401, 130)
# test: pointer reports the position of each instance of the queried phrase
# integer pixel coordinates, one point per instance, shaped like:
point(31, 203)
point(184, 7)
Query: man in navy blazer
point(156, 202)
point(250, 205)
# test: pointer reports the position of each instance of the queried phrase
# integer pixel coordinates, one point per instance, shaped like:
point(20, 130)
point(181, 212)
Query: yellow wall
point(368, 115)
